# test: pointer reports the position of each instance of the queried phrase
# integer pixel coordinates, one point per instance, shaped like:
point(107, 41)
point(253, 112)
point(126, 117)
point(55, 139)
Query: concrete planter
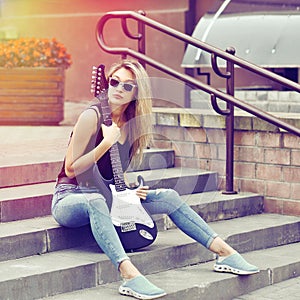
point(31, 96)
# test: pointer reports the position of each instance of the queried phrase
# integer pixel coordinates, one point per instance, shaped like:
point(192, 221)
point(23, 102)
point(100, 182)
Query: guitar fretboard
point(114, 150)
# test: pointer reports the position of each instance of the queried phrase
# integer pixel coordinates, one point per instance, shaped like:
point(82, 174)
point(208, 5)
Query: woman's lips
point(117, 96)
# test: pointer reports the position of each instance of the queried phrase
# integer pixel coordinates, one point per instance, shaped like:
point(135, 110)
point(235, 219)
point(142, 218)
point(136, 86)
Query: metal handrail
point(227, 55)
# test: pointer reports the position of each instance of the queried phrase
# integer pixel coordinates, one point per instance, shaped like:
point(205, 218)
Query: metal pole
point(142, 39)
point(230, 128)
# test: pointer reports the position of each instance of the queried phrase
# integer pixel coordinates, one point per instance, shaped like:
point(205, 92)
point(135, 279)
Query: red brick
point(162, 144)
point(208, 151)
point(186, 162)
point(268, 139)
point(183, 149)
point(222, 184)
point(269, 172)
point(291, 141)
point(295, 191)
point(197, 135)
point(295, 159)
point(278, 189)
point(250, 154)
point(218, 166)
point(245, 170)
point(216, 136)
point(278, 156)
point(291, 174)
point(273, 206)
point(252, 185)
point(204, 164)
point(291, 208)
point(221, 150)
point(245, 138)
point(170, 133)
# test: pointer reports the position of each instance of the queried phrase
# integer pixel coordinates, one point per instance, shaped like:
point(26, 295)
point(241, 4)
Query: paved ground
point(28, 144)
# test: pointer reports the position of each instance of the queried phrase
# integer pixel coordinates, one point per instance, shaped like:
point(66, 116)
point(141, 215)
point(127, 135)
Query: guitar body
point(135, 227)
point(133, 224)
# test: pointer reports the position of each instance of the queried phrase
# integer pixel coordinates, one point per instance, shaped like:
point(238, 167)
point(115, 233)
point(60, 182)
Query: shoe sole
point(228, 269)
point(129, 292)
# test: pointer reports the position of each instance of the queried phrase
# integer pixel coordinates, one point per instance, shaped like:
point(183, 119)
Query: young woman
point(76, 202)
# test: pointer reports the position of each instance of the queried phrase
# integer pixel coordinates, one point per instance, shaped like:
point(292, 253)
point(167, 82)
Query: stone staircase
point(40, 259)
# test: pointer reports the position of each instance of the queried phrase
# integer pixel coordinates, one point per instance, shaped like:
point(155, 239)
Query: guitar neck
point(115, 159)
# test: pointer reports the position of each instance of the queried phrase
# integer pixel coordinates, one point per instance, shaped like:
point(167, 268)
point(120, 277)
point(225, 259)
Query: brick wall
point(267, 160)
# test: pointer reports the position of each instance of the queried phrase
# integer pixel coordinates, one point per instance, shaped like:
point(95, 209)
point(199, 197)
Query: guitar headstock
point(99, 82)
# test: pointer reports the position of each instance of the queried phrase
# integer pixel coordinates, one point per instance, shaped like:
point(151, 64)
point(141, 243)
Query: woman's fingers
point(142, 192)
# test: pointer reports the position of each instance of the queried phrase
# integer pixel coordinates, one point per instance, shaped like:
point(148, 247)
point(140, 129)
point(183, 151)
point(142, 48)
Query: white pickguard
point(127, 207)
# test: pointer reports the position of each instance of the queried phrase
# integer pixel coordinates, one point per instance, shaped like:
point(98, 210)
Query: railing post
point(230, 127)
point(142, 39)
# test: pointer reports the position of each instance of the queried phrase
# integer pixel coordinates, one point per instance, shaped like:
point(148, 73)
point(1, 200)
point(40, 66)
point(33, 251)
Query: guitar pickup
point(128, 226)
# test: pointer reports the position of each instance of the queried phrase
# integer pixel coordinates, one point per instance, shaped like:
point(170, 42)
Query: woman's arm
point(77, 161)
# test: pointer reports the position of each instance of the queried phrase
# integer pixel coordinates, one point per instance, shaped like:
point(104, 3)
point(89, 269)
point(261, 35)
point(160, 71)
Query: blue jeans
point(73, 207)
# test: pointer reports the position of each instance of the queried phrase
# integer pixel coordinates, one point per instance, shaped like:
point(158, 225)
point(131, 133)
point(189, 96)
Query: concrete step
point(41, 235)
point(44, 167)
point(78, 268)
point(200, 282)
point(287, 289)
point(30, 173)
point(30, 201)
point(30, 154)
point(184, 180)
point(215, 206)
point(25, 202)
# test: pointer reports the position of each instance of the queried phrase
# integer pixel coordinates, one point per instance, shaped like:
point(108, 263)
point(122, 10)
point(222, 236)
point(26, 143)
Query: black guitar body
point(131, 241)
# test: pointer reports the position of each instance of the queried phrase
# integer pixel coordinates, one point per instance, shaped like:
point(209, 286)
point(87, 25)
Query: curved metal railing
point(228, 56)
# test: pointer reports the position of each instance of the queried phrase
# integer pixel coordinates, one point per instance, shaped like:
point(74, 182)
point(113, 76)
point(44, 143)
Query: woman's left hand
point(142, 192)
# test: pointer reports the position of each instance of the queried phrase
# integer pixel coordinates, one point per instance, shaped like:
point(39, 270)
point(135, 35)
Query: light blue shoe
point(141, 288)
point(235, 264)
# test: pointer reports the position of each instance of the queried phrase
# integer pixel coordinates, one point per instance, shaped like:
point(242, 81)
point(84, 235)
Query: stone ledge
point(191, 117)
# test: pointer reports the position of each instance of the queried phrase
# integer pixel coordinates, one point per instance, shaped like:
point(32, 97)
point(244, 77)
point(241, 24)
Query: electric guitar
point(135, 227)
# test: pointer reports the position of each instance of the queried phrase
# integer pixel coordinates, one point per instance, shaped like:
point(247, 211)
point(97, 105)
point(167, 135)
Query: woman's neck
point(118, 119)
point(118, 116)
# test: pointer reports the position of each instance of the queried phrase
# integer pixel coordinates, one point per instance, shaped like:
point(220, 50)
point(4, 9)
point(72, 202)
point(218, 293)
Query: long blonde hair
point(139, 111)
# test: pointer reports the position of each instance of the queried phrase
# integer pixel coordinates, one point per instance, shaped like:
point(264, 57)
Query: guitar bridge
point(128, 226)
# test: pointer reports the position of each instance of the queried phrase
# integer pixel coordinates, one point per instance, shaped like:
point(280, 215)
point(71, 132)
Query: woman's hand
point(142, 192)
point(111, 133)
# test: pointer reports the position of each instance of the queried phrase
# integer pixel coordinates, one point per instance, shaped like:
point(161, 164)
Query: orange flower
point(34, 52)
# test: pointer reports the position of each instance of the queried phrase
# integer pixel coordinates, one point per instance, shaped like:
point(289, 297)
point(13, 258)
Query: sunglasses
point(126, 86)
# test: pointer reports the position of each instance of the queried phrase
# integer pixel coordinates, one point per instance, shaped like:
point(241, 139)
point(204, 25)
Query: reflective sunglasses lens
point(113, 82)
point(127, 87)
